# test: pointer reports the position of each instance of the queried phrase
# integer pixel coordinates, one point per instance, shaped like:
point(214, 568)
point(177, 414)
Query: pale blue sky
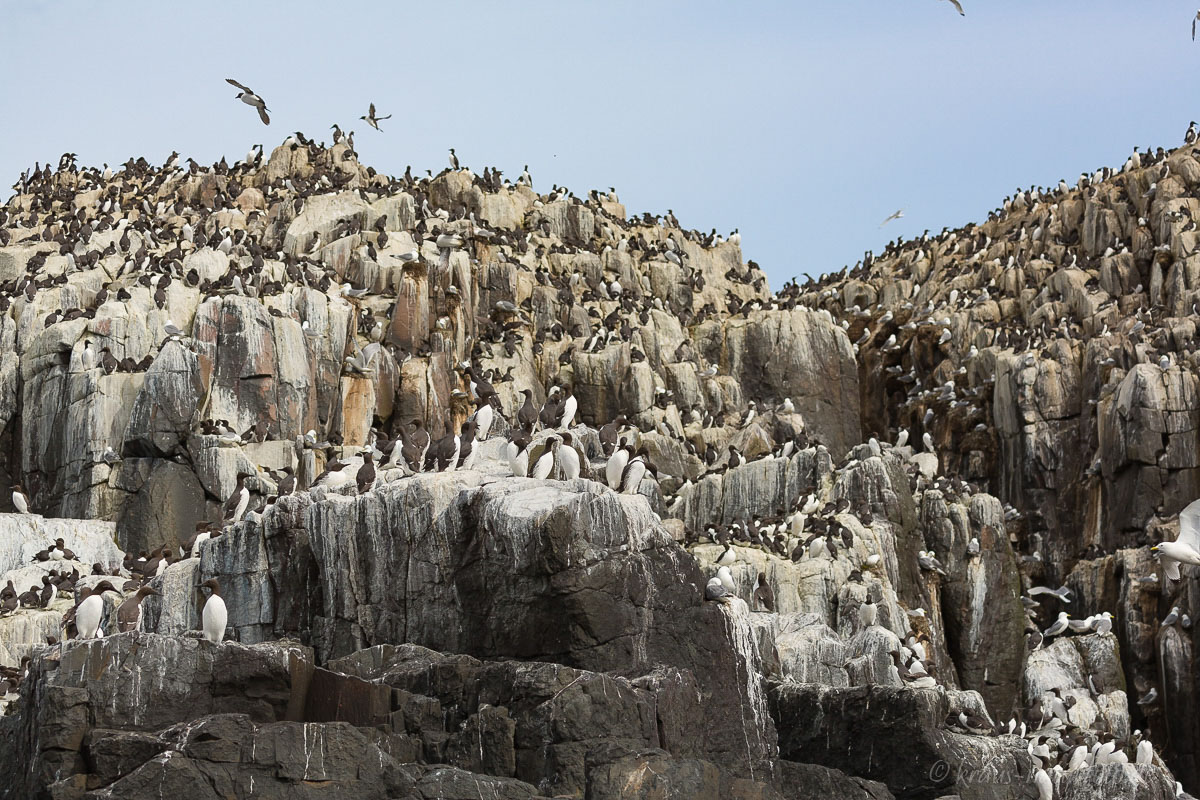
point(804, 124)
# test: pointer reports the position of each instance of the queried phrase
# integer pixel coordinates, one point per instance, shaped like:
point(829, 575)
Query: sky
point(802, 124)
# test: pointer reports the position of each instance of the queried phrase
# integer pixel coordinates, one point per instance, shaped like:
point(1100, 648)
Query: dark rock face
point(496, 569)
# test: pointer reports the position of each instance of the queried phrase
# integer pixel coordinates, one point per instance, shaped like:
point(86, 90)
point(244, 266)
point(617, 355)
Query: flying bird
point(958, 5)
point(1186, 547)
point(373, 120)
point(897, 215)
point(247, 96)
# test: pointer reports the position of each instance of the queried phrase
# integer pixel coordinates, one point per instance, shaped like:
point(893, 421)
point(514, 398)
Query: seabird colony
point(138, 222)
point(937, 340)
point(540, 440)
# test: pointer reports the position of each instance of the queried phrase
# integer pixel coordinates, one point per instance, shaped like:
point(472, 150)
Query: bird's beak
point(1154, 548)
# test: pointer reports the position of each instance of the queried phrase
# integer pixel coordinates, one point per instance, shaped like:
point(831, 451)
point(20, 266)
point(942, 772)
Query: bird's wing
point(1189, 526)
point(231, 505)
point(958, 5)
point(1194, 25)
point(371, 112)
point(1170, 568)
point(245, 89)
point(389, 116)
point(262, 114)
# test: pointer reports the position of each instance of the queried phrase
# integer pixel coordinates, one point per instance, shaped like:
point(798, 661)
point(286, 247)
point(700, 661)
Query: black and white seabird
point(373, 120)
point(215, 615)
point(416, 445)
point(635, 470)
point(610, 432)
point(615, 467)
point(484, 415)
point(288, 484)
point(90, 611)
point(527, 416)
point(129, 613)
point(20, 500)
point(748, 417)
point(467, 450)
point(247, 96)
point(453, 159)
point(366, 473)
point(736, 459)
point(899, 214)
point(545, 463)
point(446, 453)
point(567, 458)
point(235, 506)
point(518, 459)
point(868, 612)
point(764, 595)
point(49, 591)
point(551, 410)
point(567, 408)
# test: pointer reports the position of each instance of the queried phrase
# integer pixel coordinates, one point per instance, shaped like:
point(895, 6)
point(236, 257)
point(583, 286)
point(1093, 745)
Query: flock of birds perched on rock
point(135, 228)
point(142, 225)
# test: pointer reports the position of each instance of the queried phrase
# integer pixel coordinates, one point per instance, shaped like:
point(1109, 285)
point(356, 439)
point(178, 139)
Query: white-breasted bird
point(215, 615)
point(90, 612)
point(567, 457)
point(20, 500)
point(616, 465)
point(1059, 625)
point(247, 96)
point(545, 462)
point(1186, 547)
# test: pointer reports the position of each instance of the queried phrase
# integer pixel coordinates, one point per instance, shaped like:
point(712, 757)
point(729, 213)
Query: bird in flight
point(1195, 19)
point(247, 96)
point(373, 120)
point(958, 5)
point(897, 215)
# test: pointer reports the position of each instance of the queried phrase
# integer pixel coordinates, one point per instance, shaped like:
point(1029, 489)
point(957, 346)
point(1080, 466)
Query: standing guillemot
point(215, 615)
point(610, 432)
point(545, 463)
point(764, 595)
point(90, 611)
point(635, 470)
point(518, 457)
point(567, 408)
point(615, 467)
point(235, 506)
point(483, 417)
point(467, 450)
point(20, 500)
point(567, 458)
point(527, 416)
point(129, 613)
point(366, 474)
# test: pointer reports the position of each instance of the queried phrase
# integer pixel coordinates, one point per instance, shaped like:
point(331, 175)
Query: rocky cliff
point(890, 472)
